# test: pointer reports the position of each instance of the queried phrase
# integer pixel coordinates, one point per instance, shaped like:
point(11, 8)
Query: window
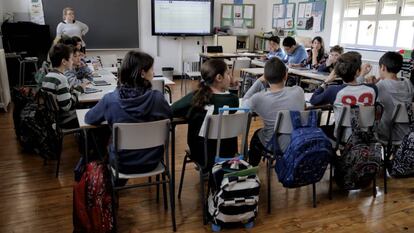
point(378, 24)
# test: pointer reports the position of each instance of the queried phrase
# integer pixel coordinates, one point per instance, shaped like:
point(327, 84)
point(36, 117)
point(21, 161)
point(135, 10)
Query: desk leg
point(172, 189)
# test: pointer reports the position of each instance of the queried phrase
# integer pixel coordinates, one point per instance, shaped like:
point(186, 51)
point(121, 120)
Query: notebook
point(89, 90)
point(100, 83)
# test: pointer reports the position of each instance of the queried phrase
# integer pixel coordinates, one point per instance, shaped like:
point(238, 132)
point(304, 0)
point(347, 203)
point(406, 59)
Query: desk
point(255, 72)
point(110, 78)
point(309, 74)
point(258, 63)
point(206, 56)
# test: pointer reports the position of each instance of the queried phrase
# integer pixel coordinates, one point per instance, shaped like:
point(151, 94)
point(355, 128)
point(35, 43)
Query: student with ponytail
point(213, 90)
point(133, 101)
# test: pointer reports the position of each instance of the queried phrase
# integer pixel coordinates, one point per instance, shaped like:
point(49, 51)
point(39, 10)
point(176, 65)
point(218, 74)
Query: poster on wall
point(36, 12)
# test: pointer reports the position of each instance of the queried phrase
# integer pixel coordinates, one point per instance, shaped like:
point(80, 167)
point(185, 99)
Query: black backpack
point(360, 160)
point(402, 165)
point(38, 129)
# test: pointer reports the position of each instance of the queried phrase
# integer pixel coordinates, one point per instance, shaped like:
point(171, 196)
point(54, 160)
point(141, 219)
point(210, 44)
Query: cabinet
point(233, 44)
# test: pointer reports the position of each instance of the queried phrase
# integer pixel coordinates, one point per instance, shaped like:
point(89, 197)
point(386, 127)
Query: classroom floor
point(33, 200)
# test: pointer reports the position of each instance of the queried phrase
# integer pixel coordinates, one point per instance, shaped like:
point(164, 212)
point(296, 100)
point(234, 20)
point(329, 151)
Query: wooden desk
point(258, 63)
point(309, 74)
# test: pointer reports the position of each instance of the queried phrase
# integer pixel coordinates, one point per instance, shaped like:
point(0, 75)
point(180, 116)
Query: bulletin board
point(238, 15)
point(283, 16)
point(311, 16)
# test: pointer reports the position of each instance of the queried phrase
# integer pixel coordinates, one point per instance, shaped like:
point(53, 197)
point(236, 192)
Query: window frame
point(377, 17)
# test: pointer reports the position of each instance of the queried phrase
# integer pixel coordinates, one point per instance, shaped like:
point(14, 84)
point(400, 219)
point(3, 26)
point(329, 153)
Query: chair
point(367, 116)
point(134, 136)
point(22, 67)
point(219, 127)
point(239, 64)
point(51, 104)
point(191, 71)
point(110, 60)
point(399, 117)
point(283, 125)
point(159, 85)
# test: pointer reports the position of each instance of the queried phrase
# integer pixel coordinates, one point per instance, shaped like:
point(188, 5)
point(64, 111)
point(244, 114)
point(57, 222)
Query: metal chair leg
point(180, 188)
point(172, 203)
point(314, 194)
point(157, 179)
point(374, 187)
point(330, 182)
point(202, 197)
point(164, 191)
point(269, 189)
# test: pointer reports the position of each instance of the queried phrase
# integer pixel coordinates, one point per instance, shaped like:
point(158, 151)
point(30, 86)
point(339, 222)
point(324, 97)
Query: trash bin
point(168, 72)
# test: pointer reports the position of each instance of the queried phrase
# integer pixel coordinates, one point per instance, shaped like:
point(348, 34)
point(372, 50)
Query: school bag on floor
point(93, 206)
point(360, 159)
point(402, 165)
point(38, 129)
point(21, 97)
point(307, 156)
point(235, 192)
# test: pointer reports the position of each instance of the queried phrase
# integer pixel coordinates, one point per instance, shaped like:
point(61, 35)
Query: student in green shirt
point(213, 90)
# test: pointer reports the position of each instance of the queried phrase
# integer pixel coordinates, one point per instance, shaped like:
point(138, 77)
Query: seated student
point(133, 101)
point(274, 49)
point(56, 82)
point(330, 63)
point(392, 90)
point(296, 54)
point(79, 42)
point(76, 76)
point(348, 67)
point(213, 90)
point(267, 103)
point(317, 55)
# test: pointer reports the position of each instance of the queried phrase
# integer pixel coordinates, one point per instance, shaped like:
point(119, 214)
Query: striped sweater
point(57, 83)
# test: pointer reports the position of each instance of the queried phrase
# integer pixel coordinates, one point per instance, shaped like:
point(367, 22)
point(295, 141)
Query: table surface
point(107, 76)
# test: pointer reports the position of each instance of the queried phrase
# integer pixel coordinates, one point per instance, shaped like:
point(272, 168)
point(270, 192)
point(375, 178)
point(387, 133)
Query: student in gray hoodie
point(392, 90)
point(133, 101)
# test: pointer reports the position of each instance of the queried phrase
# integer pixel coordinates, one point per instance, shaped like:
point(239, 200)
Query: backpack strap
point(409, 108)
point(355, 119)
point(313, 119)
point(295, 118)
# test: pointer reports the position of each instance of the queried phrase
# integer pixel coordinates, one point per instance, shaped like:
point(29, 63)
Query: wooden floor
point(33, 200)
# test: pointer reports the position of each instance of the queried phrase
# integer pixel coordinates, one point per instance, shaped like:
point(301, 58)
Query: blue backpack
point(307, 156)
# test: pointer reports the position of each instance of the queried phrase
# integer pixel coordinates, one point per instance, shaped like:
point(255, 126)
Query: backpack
point(93, 205)
point(21, 97)
point(235, 193)
point(39, 130)
point(360, 159)
point(307, 156)
point(402, 165)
